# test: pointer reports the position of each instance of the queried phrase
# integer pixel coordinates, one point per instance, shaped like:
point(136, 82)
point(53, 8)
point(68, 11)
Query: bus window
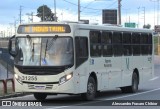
point(127, 47)
point(81, 50)
point(135, 38)
point(136, 43)
point(150, 39)
point(144, 42)
point(107, 50)
point(126, 38)
point(106, 38)
point(95, 43)
point(95, 37)
point(117, 43)
point(107, 44)
point(144, 38)
point(117, 38)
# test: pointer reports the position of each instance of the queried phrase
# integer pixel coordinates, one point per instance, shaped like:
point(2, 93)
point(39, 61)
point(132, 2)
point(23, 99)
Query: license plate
point(40, 87)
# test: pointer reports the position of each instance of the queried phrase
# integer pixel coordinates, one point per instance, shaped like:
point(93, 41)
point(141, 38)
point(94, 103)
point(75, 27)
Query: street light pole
point(119, 12)
point(138, 18)
point(20, 15)
point(43, 13)
point(79, 10)
point(144, 15)
point(55, 10)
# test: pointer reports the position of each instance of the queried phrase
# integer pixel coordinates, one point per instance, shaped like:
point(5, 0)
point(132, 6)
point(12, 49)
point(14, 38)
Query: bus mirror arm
point(10, 49)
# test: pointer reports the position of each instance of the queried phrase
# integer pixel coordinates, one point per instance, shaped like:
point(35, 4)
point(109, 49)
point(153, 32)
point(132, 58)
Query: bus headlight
point(65, 78)
point(18, 78)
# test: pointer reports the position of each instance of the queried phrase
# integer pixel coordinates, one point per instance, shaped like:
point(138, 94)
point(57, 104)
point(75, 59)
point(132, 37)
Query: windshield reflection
point(50, 51)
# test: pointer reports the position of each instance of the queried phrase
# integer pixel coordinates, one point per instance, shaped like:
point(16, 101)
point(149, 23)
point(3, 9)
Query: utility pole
point(138, 18)
point(119, 12)
point(20, 15)
point(144, 15)
point(158, 12)
point(43, 14)
point(55, 10)
point(79, 10)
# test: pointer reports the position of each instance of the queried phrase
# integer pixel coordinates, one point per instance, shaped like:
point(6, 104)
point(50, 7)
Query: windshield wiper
point(49, 44)
point(31, 46)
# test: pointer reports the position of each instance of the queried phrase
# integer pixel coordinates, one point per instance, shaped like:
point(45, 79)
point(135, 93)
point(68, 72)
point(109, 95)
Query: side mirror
point(12, 46)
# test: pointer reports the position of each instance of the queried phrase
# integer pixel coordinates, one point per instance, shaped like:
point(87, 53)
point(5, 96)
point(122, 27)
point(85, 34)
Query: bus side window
point(136, 44)
point(144, 44)
point(127, 47)
point(95, 43)
point(150, 44)
point(107, 44)
point(81, 44)
point(117, 43)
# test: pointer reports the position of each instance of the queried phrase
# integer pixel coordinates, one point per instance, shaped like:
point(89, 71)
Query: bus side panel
point(97, 66)
point(137, 63)
point(127, 70)
point(147, 68)
point(82, 76)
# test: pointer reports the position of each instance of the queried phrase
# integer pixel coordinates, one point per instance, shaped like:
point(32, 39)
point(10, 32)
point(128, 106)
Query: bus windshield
point(44, 51)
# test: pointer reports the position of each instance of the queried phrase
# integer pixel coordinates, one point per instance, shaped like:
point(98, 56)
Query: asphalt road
point(148, 91)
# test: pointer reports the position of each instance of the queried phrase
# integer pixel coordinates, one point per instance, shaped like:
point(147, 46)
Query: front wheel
point(91, 90)
point(40, 96)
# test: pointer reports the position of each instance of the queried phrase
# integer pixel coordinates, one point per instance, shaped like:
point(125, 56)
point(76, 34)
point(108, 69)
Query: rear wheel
point(40, 96)
point(91, 90)
point(134, 87)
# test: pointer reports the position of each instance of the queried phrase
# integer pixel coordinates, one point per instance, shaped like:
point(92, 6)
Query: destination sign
point(43, 28)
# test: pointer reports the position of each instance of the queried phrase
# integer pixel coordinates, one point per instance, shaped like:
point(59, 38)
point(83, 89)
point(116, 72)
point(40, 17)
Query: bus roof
point(95, 27)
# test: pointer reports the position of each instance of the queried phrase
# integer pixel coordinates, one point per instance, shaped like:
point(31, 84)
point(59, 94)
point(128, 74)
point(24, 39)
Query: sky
point(67, 10)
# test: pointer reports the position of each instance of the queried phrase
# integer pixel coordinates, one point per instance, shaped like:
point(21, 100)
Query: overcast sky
point(67, 10)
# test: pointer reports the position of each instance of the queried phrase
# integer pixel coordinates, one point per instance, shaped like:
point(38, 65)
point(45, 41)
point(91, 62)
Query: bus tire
point(134, 87)
point(91, 90)
point(40, 96)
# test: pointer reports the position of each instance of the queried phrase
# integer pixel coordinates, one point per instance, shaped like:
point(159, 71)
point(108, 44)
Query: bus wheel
point(91, 90)
point(40, 96)
point(134, 87)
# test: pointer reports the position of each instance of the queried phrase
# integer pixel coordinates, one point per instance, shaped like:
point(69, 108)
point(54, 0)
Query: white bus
point(74, 58)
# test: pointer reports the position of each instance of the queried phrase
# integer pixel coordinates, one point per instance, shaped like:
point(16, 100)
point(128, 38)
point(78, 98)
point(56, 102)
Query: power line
point(81, 6)
point(112, 4)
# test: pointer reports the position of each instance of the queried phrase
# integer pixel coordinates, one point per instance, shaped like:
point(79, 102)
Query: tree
point(148, 26)
point(45, 13)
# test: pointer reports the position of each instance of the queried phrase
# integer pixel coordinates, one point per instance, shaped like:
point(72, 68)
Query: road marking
point(106, 99)
point(133, 94)
point(154, 78)
point(17, 97)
